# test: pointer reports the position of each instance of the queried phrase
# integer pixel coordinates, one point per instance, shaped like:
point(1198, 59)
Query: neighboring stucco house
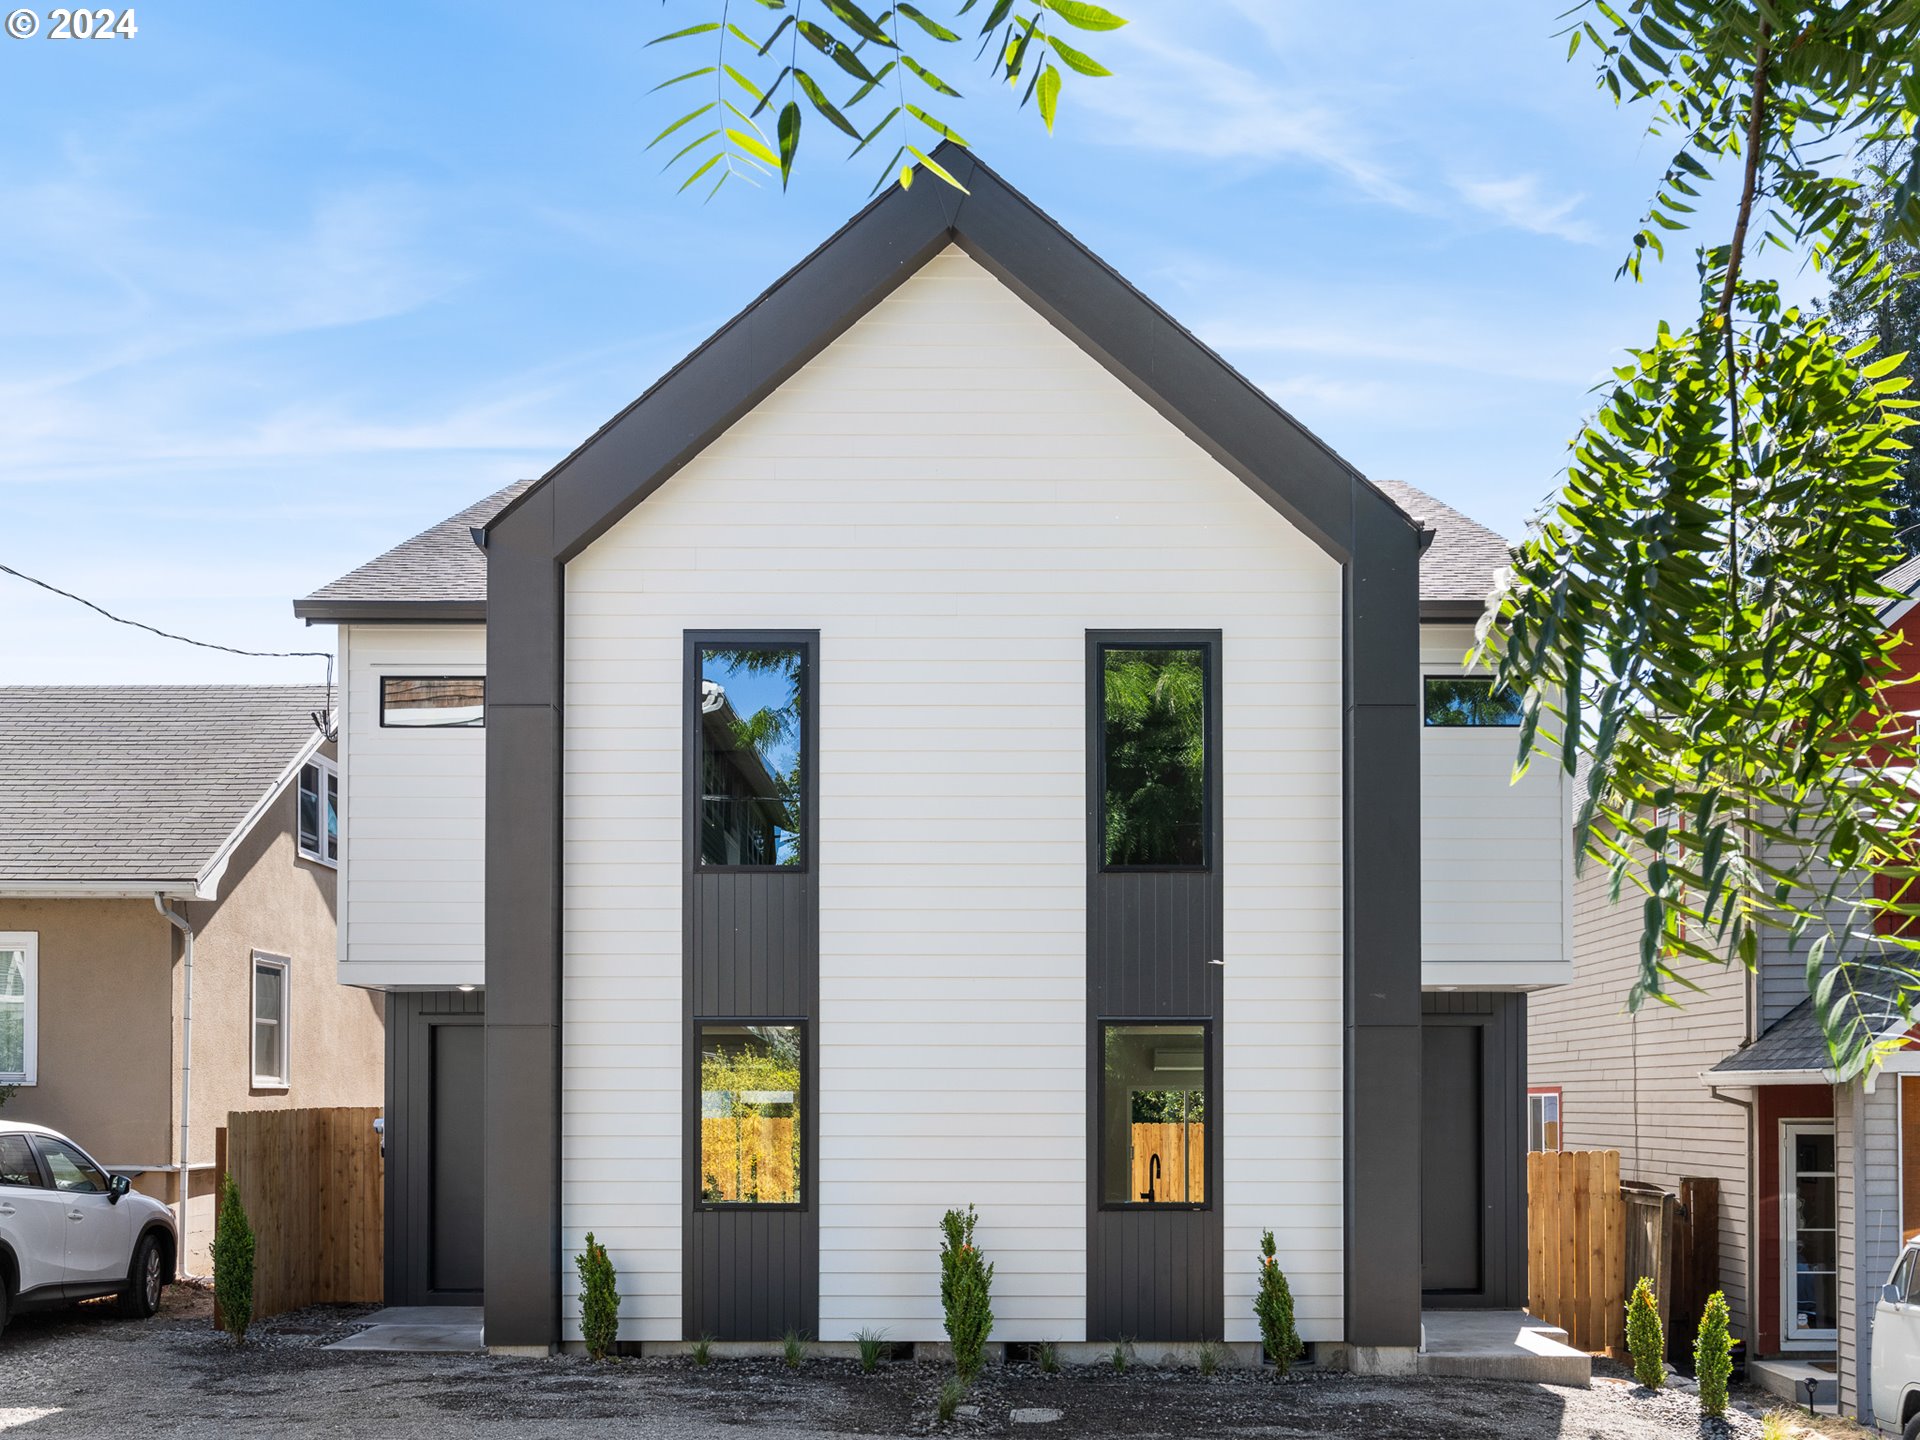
point(1819, 1182)
point(952, 741)
point(167, 872)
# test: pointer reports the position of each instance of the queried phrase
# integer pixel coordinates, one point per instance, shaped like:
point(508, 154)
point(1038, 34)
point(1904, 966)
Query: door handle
point(76, 1214)
point(6, 1210)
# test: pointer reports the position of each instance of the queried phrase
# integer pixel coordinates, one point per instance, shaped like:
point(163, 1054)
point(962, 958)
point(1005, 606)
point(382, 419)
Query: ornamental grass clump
point(966, 1291)
point(1713, 1356)
point(233, 1263)
point(1273, 1307)
point(599, 1299)
point(1645, 1340)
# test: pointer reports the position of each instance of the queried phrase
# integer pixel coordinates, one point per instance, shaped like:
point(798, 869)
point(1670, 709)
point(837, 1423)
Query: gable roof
point(1458, 570)
point(140, 787)
point(440, 574)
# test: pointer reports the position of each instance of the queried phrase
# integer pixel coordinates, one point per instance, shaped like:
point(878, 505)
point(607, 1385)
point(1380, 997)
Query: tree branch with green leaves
point(837, 43)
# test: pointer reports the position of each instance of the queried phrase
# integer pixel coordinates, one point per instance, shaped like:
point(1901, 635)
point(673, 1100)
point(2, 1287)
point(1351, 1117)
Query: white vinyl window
point(269, 1021)
point(319, 812)
point(19, 1006)
point(1543, 1118)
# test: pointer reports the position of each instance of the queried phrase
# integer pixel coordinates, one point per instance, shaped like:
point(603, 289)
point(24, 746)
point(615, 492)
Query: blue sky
point(281, 285)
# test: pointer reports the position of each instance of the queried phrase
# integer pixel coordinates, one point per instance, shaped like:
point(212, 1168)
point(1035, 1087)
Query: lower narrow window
point(750, 1114)
point(269, 1021)
point(1153, 1114)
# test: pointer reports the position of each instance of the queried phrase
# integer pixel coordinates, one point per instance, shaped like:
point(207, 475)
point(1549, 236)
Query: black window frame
point(807, 642)
point(1427, 678)
point(802, 1180)
point(1099, 642)
point(1209, 1159)
point(461, 726)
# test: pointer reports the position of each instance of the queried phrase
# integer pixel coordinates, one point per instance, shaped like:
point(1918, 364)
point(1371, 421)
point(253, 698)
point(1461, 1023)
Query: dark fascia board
point(337, 612)
point(636, 451)
point(1451, 612)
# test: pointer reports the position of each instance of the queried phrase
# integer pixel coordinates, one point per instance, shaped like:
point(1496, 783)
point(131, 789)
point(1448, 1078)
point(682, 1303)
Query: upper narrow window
point(1153, 1114)
point(750, 1114)
point(269, 1021)
point(19, 1006)
point(434, 702)
point(320, 811)
point(1543, 1119)
point(1153, 758)
point(1459, 700)
point(752, 754)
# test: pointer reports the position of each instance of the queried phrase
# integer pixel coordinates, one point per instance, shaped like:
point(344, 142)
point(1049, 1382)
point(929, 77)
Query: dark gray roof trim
point(437, 575)
point(864, 262)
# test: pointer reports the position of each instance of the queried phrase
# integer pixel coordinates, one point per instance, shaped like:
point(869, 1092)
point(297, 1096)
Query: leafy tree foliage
point(794, 58)
point(1699, 611)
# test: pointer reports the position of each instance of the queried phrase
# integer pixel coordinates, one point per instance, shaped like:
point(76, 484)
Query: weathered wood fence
point(313, 1185)
point(1575, 1261)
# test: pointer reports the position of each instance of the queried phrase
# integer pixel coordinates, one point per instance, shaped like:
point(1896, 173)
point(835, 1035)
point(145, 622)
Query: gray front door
point(458, 1138)
point(1451, 1205)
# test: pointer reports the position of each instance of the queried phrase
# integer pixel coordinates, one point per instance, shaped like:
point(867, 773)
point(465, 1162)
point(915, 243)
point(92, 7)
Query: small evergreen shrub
point(1209, 1357)
point(791, 1350)
point(1273, 1307)
point(1645, 1342)
point(1713, 1356)
point(872, 1343)
point(599, 1299)
point(951, 1394)
point(1119, 1357)
point(1047, 1353)
point(966, 1291)
point(703, 1350)
point(233, 1263)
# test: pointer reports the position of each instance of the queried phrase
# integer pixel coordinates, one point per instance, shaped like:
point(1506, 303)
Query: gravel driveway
point(88, 1373)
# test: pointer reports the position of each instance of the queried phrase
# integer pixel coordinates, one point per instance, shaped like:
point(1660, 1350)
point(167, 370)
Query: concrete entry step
point(1500, 1345)
point(420, 1329)
point(1788, 1378)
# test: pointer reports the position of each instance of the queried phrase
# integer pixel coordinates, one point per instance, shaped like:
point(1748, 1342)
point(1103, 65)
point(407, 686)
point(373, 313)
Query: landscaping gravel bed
point(88, 1373)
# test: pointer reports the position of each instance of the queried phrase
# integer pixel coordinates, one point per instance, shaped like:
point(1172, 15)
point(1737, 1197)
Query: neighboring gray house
point(951, 741)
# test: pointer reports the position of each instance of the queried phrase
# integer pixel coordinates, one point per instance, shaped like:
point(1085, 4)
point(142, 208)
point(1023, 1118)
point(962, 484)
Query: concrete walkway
point(420, 1330)
point(1500, 1345)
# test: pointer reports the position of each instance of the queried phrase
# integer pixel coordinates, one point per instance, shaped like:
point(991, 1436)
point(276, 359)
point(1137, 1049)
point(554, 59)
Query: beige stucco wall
point(111, 976)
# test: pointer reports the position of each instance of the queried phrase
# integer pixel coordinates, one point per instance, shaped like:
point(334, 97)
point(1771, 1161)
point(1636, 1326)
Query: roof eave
point(173, 888)
point(1452, 611)
point(316, 611)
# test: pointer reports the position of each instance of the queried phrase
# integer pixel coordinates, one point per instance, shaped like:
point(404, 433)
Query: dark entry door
point(457, 1138)
point(1451, 1203)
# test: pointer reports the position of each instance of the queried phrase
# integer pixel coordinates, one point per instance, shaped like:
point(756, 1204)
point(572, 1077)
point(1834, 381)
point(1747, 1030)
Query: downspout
point(185, 927)
point(1752, 1246)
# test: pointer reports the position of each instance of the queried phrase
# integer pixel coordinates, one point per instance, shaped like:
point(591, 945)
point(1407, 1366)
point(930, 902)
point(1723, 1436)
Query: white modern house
point(951, 741)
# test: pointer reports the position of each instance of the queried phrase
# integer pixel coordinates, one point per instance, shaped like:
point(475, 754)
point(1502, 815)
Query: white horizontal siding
point(412, 817)
point(953, 494)
point(1496, 892)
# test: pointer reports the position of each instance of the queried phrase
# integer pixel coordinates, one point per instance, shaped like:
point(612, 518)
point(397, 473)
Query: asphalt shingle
point(1460, 565)
point(440, 565)
point(138, 783)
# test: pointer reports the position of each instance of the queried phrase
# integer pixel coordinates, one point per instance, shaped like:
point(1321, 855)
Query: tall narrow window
point(750, 1114)
point(319, 819)
point(1153, 756)
point(19, 1001)
point(1543, 1118)
point(1153, 1114)
point(269, 1021)
point(753, 705)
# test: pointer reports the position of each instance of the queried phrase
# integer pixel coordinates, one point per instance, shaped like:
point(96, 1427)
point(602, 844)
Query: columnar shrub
point(1713, 1356)
point(1645, 1342)
point(599, 1299)
point(1273, 1306)
point(966, 1291)
point(233, 1262)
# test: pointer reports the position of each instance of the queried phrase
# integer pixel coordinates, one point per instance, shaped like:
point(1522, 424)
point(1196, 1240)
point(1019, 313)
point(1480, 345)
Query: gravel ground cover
point(86, 1372)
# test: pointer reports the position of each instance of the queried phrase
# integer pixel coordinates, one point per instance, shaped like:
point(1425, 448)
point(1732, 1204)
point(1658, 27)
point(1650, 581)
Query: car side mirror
point(1892, 1294)
point(120, 1185)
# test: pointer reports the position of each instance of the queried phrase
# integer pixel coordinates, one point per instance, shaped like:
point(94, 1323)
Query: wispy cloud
point(1521, 202)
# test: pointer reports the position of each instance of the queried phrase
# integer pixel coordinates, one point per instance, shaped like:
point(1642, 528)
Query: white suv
point(69, 1231)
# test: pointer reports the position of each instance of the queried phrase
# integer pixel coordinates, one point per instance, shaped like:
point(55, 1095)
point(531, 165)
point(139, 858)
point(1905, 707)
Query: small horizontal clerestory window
point(270, 1007)
point(19, 1006)
point(1459, 701)
point(1153, 1114)
point(751, 1115)
point(319, 819)
point(433, 702)
point(753, 712)
point(1154, 756)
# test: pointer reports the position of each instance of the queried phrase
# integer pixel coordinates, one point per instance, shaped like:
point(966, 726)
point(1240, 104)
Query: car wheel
point(142, 1295)
point(1912, 1432)
point(6, 1302)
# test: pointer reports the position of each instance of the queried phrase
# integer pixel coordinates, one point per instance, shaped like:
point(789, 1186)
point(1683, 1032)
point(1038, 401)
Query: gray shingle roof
point(137, 783)
point(1794, 1042)
point(1459, 565)
point(444, 574)
point(440, 570)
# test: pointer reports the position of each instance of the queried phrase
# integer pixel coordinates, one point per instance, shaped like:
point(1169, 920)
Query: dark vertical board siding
point(752, 951)
point(1151, 935)
point(411, 1015)
point(1501, 1019)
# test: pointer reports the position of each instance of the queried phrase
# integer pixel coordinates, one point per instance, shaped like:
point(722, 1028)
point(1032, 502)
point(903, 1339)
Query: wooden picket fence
point(313, 1185)
point(1576, 1261)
